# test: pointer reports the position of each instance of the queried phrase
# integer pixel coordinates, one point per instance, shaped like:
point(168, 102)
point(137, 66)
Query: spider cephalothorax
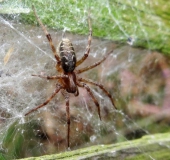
point(67, 79)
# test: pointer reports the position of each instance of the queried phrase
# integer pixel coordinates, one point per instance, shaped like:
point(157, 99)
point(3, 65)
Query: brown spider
point(68, 80)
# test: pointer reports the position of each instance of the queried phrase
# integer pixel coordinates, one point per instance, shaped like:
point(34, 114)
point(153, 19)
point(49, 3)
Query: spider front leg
point(66, 96)
point(47, 101)
point(100, 86)
point(92, 96)
point(88, 45)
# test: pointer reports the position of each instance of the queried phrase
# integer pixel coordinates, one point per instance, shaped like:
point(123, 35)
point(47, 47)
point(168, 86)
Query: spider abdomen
point(67, 55)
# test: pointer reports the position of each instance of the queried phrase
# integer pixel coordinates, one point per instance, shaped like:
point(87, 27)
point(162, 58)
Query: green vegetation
point(148, 23)
point(145, 148)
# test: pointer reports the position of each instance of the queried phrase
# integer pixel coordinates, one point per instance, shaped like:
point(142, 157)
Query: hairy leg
point(88, 45)
point(51, 77)
point(94, 65)
point(46, 102)
point(92, 96)
point(100, 86)
point(47, 35)
point(66, 96)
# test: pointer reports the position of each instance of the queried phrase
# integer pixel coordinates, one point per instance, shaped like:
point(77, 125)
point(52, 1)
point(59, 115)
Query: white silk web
point(24, 50)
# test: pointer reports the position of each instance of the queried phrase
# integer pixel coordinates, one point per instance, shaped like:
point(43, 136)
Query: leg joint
point(49, 37)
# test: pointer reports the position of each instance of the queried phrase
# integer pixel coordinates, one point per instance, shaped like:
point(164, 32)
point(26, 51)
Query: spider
point(68, 79)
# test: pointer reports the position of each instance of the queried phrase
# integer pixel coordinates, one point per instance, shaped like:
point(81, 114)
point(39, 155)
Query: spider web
point(129, 74)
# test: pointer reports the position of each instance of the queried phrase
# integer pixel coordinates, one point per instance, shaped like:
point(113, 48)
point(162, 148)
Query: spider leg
point(92, 96)
point(51, 77)
point(100, 86)
point(47, 35)
point(88, 45)
point(77, 92)
point(46, 102)
point(94, 65)
point(66, 96)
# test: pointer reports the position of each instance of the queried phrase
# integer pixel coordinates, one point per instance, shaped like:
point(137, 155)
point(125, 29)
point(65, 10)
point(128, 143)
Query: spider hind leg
point(47, 35)
point(88, 45)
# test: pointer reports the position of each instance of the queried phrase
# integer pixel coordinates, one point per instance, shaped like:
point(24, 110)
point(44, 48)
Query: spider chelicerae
point(68, 79)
